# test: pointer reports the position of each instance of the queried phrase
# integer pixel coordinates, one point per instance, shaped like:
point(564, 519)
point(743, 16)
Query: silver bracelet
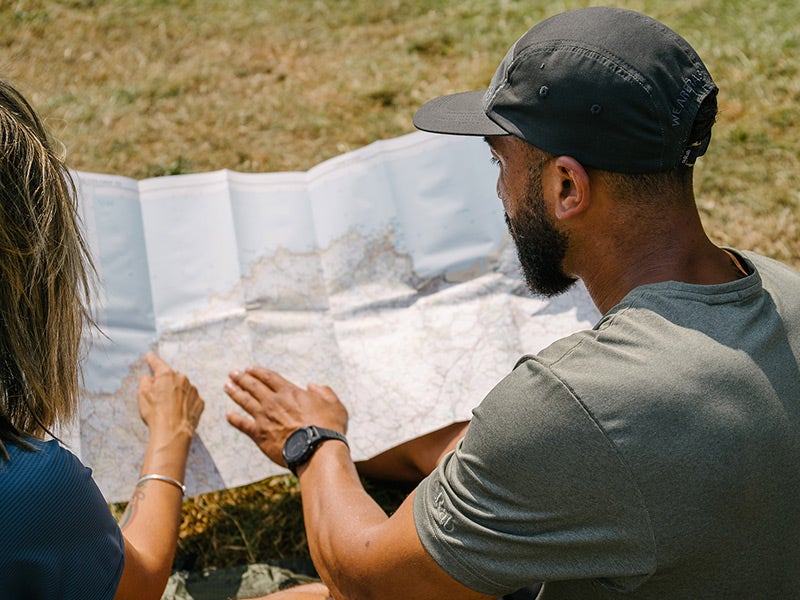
point(158, 477)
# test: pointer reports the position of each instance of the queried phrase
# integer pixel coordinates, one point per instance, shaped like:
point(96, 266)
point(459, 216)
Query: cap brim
point(457, 114)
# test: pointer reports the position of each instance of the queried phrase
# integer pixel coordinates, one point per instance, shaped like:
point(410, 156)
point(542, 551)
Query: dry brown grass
point(156, 87)
point(148, 88)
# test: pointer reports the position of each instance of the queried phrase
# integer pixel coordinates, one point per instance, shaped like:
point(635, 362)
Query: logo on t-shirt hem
point(443, 516)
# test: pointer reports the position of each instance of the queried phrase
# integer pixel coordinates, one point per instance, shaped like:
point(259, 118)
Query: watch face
point(296, 445)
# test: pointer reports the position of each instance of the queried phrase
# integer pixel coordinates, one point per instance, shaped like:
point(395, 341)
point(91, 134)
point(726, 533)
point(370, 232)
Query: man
point(655, 456)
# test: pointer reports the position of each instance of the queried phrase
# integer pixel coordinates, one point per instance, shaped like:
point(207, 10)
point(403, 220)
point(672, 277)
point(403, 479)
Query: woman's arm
point(171, 408)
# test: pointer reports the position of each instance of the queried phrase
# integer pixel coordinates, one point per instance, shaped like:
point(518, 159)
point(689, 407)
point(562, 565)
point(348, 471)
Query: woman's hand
point(170, 407)
point(168, 402)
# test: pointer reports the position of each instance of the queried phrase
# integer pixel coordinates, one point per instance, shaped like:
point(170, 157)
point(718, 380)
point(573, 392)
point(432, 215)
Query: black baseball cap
point(613, 88)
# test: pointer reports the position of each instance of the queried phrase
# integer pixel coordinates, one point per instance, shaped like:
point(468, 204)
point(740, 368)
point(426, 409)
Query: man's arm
point(415, 459)
point(358, 550)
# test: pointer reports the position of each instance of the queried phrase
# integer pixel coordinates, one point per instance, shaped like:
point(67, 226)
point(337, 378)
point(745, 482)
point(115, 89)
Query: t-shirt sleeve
point(535, 492)
point(68, 544)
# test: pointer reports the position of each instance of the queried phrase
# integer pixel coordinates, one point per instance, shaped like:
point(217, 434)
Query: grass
point(158, 87)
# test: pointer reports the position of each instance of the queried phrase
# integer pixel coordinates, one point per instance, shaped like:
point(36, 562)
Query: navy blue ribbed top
point(58, 538)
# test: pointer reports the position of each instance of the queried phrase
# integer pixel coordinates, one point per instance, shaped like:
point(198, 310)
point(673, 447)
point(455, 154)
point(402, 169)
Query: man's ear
point(572, 187)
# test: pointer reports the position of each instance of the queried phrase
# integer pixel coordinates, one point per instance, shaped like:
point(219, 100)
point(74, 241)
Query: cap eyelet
point(543, 91)
point(596, 109)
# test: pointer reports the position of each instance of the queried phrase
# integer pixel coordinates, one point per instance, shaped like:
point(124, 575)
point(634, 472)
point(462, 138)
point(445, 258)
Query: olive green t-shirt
point(654, 456)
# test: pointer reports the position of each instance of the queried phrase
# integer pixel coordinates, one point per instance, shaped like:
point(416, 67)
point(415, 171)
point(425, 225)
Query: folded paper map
point(386, 273)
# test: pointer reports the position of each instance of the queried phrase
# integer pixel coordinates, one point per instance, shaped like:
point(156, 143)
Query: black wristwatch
point(302, 443)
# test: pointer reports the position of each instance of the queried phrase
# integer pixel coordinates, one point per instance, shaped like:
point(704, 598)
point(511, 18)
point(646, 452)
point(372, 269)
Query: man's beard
point(541, 247)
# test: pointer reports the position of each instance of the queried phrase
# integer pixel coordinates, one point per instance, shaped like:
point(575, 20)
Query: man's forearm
point(359, 552)
point(339, 517)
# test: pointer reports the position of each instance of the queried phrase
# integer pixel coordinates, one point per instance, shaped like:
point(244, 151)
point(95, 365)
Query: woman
point(57, 537)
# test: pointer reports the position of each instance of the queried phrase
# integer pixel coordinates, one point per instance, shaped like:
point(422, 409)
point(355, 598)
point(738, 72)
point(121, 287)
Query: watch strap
point(316, 436)
point(323, 434)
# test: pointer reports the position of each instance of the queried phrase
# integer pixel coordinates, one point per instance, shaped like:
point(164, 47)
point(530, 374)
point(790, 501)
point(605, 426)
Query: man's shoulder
point(767, 261)
point(771, 271)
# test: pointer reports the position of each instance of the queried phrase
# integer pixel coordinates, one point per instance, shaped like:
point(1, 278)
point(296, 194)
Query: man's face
point(541, 247)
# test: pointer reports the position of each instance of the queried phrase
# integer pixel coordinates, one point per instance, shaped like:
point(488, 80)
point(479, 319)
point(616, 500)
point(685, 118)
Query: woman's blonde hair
point(45, 279)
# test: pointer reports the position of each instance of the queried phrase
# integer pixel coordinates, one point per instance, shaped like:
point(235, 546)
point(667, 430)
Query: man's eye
point(494, 161)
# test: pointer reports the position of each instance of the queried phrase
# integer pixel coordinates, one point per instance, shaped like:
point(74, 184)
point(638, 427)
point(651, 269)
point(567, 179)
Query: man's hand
point(278, 407)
